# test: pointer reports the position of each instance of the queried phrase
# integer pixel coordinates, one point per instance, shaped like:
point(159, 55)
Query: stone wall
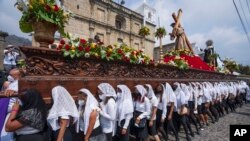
point(98, 17)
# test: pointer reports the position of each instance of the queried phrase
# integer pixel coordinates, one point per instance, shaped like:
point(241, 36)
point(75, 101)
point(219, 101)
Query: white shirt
point(143, 107)
point(180, 100)
point(163, 106)
point(10, 58)
point(153, 104)
point(108, 114)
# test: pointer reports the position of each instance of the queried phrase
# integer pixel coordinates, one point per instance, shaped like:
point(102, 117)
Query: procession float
point(77, 63)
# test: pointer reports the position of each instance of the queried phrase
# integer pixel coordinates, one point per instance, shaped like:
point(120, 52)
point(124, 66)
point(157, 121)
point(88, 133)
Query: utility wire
point(243, 25)
point(244, 14)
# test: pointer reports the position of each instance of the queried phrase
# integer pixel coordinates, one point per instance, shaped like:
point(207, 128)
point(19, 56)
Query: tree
point(144, 31)
point(159, 34)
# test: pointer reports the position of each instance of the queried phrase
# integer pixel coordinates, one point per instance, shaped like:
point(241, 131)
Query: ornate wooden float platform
point(47, 68)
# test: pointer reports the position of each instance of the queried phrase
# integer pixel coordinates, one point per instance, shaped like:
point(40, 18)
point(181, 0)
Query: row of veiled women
point(112, 114)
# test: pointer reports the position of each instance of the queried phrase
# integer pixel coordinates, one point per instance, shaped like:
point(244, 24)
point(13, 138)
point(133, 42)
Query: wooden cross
point(178, 25)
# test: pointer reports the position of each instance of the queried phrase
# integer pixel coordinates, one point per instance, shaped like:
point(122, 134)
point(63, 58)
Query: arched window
point(120, 22)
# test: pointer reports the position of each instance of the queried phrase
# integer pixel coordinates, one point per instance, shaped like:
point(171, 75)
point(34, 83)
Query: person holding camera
point(10, 58)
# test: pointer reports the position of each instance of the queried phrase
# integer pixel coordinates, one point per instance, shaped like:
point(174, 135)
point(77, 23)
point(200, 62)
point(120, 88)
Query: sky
point(201, 19)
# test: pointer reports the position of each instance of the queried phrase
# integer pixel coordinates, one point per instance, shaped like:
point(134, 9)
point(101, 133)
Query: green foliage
point(231, 65)
point(160, 32)
point(144, 31)
point(41, 10)
point(76, 48)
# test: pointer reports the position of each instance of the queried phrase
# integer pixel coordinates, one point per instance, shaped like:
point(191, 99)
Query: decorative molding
point(49, 62)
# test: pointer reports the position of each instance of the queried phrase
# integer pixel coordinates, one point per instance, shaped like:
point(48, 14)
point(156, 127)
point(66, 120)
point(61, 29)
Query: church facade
point(112, 22)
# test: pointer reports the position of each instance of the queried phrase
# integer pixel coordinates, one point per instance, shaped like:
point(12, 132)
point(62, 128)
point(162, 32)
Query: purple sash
point(4, 102)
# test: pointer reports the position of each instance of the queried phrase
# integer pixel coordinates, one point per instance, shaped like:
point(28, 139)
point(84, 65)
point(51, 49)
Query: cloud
point(203, 20)
point(10, 16)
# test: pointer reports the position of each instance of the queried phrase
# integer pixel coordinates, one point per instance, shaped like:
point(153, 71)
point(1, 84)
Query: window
point(101, 14)
point(149, 15)
point(120, 22)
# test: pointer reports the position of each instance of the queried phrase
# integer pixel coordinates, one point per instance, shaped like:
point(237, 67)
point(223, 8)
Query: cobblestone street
point(220, 130)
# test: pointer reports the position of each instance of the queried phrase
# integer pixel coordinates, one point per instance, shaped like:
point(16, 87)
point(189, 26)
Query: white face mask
point(10, 78)
point(119, 95)
point(81, 102)
point(101, 97)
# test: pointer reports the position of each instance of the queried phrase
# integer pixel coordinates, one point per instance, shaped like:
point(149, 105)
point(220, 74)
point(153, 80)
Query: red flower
point(108, 54)
point(151, 61)
point(56, 8)
point(87, 49)
point(127, 59)
point(51, 42)
point(83, 41)
point(119, 51)
point(59, 47)
point(47, 8)
point(67, 47)
point(62, 42)
point(80, 48)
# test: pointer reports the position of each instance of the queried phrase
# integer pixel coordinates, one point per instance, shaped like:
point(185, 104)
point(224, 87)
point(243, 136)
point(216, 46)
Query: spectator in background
point(10, 58)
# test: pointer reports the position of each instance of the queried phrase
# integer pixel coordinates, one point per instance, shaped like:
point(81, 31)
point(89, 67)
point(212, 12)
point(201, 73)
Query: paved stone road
point(220, 130)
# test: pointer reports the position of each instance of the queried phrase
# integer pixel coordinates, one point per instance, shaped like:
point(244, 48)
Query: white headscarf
point(151, 92)
point(170, 95)
point(125, 103)
point(187, 93)
point(141, 90)
point(91, 104)
point(107, 90)
point(178, 89)
point(164, 94)
point(64, 105)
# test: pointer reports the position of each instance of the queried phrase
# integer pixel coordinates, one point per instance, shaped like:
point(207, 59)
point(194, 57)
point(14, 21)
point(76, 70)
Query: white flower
point(127, 54)
point(86, 55)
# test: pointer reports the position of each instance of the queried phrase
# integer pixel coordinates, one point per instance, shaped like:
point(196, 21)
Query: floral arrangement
point(231, 65)
point(41, 10)
point(179, 52)
point(187, 58)
point(179, 62)
point(144, 31)
point(78, 47)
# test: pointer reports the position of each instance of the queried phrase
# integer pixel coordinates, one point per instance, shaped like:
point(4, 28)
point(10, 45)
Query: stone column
point(2, 45)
